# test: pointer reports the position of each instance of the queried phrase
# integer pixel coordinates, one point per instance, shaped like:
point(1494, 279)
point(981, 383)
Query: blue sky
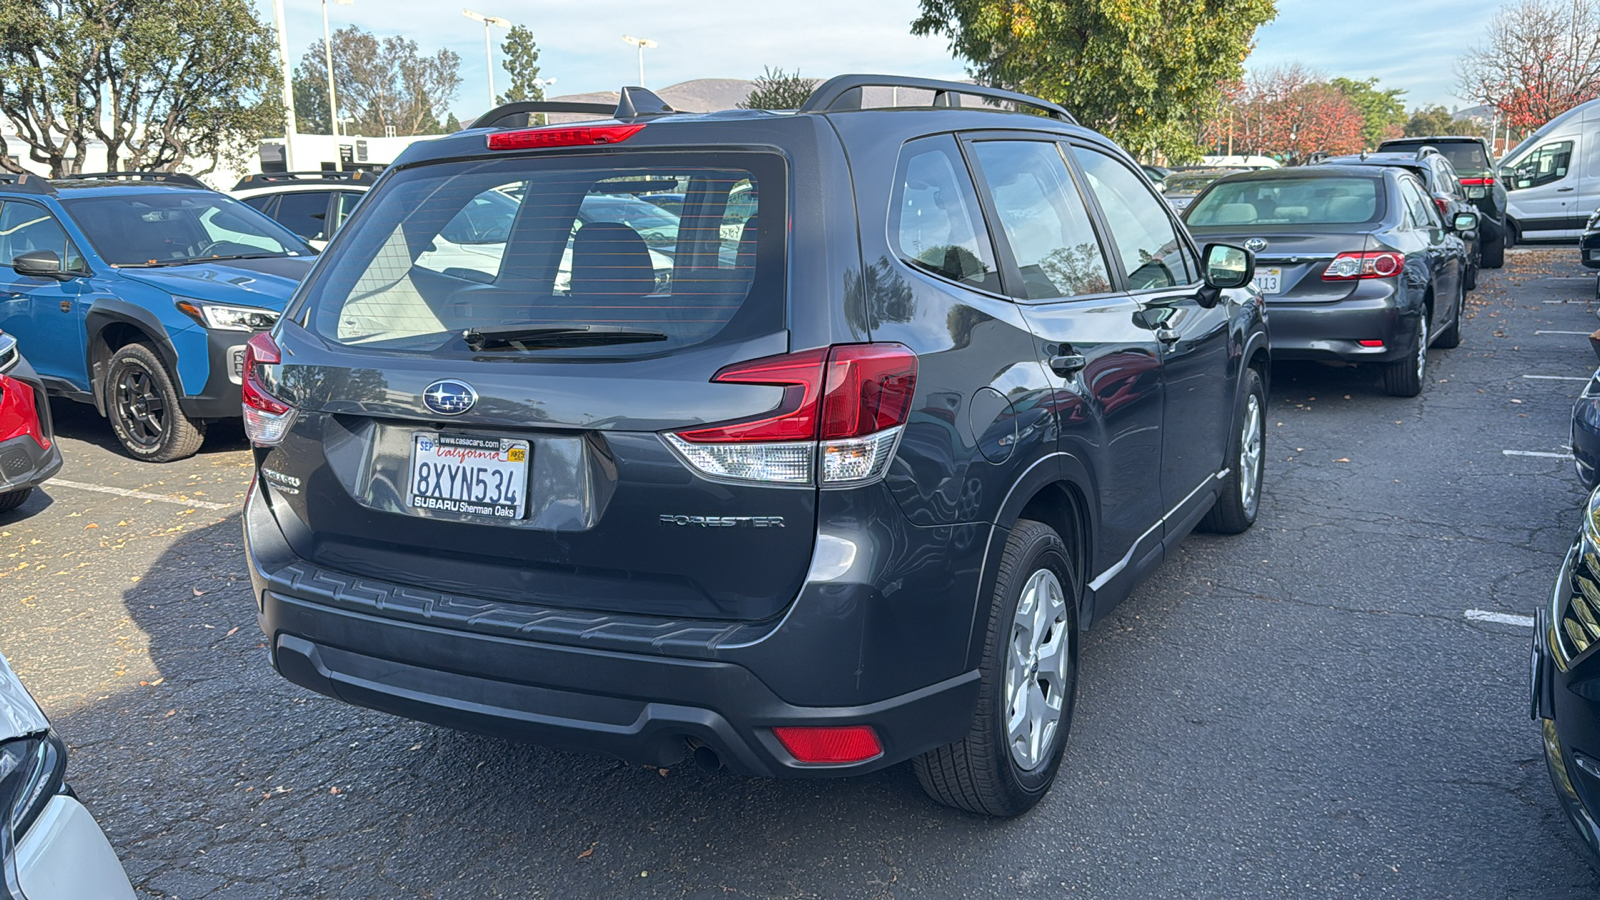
point(1411, 44)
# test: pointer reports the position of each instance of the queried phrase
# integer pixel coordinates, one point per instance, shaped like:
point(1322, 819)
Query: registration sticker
point(1269, 281)
point(475, 476)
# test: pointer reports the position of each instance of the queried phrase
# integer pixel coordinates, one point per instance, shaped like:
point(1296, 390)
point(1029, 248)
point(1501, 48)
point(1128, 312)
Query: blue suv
point(137, 292)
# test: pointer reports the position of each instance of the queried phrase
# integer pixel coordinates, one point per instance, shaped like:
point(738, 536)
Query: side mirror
point(41, 264)
point(1465, 222)
point(1227, 267)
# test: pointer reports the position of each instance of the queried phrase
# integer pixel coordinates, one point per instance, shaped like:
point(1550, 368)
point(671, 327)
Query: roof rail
point(182, 178)
point(26, 182)
point(845, 92)
point(256, 179)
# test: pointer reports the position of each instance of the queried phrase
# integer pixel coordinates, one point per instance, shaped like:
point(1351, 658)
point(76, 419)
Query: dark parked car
point(1566, 661)
point(28, 451)
point(1156, 174)
point(1589, 246)
point(1356, 264)
point(1475, 166)
point(843, 491)
point(1182, 186)
point(1439, 178)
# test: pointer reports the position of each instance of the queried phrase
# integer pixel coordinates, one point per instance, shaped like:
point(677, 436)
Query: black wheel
point(142, 404)
point(1494, 252)
point(1450, 337)
point(1009, 758)
point(1404, 377)
point(13, 499)
point(1474, 261)
point(1235, 510)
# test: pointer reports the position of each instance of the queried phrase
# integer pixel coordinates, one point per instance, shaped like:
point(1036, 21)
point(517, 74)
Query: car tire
point(999, 769)
point(1475, 262)
point(1405, 377)
point(1240, 500)
point(143, 405)
point(1494, 252)
point(12, 499)
point(1450, 337)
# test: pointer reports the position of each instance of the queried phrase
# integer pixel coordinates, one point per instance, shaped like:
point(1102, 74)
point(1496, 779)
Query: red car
point(28, 451)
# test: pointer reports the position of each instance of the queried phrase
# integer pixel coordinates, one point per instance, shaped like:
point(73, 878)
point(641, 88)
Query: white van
point(1552, 178)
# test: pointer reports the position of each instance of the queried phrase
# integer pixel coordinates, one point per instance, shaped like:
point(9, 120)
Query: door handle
point(1167, 335)
point(1065, 364)
point(1564, 190)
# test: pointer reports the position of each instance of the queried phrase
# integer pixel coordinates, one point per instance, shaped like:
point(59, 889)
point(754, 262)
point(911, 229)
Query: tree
point(1541, 58)
point(452, 124)
point(380, 84)
point(1136, 71)
point(310, 100)
point(1288, 111)
point(1383, 112)
point(1427, 121)
point(159, 82)
point(522, 64)
point(777, 89)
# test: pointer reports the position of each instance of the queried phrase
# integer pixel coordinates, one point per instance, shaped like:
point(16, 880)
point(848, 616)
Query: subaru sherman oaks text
point(828, 475)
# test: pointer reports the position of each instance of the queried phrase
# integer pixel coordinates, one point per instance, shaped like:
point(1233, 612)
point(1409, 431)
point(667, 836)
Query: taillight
point(266, 418)
point(837, 744)
point(845, 404)
point(1371, 264)
point(1444, 208)
point(1477, 182)
point(579, 136)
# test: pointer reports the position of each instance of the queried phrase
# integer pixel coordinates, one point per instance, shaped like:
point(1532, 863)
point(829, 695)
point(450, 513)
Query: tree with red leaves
point(1541, 58)
point(1289, 112)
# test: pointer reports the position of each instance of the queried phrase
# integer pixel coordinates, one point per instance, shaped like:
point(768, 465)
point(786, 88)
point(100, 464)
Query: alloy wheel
point(1037, 662)
point(140, 408)
point(1250, 444)
point(1422, 346)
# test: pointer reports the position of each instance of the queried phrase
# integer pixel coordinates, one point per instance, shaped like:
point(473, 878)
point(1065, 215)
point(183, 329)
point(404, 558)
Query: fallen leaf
point(198, 592)
point(170, 714)
point(1343, 459)
point(158, 681)
point(589, 852)
point(335, 790)
point(89, 526)
point(232, 631)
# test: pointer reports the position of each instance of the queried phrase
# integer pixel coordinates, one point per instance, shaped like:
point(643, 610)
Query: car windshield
point(1193, 182)
point(166, 228)
point(542, 246)
point(1327, 200)
point(1466, 156)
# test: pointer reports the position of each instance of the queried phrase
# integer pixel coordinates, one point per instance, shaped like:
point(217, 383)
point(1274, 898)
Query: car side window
point(260, 202)
point(25, 228)
point(935, 223)
point(1153, 254)
point(305, 213)
point(1044, 218)
point(1423, 211)
point(1546, 165)
point(346, 206)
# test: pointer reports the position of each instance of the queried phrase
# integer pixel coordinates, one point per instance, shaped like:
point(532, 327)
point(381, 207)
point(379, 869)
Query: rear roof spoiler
point(631, 104)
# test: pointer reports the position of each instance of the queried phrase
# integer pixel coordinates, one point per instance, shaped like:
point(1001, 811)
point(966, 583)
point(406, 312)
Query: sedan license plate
point(476, 476)
point(1269, 281)
point(1477, 193)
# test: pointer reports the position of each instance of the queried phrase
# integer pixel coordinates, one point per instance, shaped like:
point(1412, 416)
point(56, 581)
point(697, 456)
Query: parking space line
point(1542, 454)
point(1483, 615)
point(1583, 333)
point(138, 495)
point(1557, 377)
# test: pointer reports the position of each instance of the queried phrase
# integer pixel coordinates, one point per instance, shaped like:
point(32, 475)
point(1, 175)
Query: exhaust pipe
point(706, 758)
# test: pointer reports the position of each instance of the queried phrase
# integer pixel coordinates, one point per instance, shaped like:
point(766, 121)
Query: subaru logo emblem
point(1255, 245)
point(449, 397)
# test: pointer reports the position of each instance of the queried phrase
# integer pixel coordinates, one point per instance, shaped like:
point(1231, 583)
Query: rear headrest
point(1235, 214)
point(611, 259)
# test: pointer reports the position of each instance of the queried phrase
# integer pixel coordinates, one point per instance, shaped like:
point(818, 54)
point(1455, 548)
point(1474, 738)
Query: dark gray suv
point(828, 475)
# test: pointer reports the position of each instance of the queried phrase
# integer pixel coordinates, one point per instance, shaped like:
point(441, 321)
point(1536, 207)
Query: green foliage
point(1136, 70)
point(160, 82)
point(522, 64)
point(310, 102)
point(1431, 121)
point(452, 124)
point(777, 89)
point(1384, 112)
point(380, 84)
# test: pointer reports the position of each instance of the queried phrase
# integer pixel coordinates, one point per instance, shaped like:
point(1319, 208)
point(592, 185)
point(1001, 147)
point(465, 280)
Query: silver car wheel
point(1250, 442)
point(1422, 346)
point(1036, 670)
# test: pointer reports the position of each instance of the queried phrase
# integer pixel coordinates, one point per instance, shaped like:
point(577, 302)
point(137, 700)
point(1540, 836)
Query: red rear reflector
point(1477, 182)
point(578, 136)
point(841, 744)
point(1370, 343)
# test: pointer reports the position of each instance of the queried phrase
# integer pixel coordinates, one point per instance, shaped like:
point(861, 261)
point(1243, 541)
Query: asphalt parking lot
point(1326, 706)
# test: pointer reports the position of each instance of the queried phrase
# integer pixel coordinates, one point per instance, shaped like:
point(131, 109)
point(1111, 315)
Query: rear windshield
point(1288, 201)
point(165, 228)
point(1464, 155)
point(445, 249)
point(1193, 182)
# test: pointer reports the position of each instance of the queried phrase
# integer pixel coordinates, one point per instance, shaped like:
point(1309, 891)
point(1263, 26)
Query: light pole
point(641, 43)
point(327, 49)
point(288, 87)
point(488, 47)
point(541, 84)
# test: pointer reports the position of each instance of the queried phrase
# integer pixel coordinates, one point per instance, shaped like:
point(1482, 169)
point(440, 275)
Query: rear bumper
point(637, 688)
point(1570, 722)
point(1589, 249)
point(1333, 331)
point(24, 464)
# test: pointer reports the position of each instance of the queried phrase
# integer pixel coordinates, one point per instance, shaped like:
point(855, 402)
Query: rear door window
point(562, 242)
point(936, 224)
point(1044, 218)
point(305, 213)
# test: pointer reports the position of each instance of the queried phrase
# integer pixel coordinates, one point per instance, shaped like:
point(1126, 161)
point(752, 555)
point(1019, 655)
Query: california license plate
point(476, 476)
point(1269, 281)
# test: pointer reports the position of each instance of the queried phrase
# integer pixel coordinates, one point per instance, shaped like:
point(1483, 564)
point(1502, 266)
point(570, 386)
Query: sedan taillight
point(845, 404)
point(1371, 264)
point(266, 418)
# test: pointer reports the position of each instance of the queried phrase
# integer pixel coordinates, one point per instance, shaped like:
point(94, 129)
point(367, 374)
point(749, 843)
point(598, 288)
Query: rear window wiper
point(541, 337)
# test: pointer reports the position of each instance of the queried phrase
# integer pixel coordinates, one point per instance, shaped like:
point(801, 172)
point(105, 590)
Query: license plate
point(1269, 281)
point(1477, 193)
point(476, 476)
